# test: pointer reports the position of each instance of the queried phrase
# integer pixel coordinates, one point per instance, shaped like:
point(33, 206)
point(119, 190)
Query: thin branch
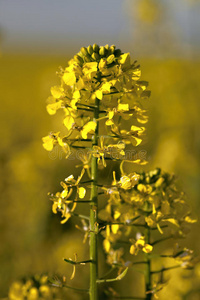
point(156, 228)
point(88, 181)
point(80, 201)
point(72, 262)
point(79, 147)
point(79, 140)
point(119, 277)
point(80, 216)
point(86, 105)
point(86, 109)
point(165, 269)
point(161, 240)
point(76, 289)
point(124, 297)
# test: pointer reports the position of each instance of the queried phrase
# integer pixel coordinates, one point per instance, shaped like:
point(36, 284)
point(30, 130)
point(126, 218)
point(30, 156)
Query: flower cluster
point(100, 90)
point(106, 74)
point(33, 288)
point(140, 202)
point(62, 201)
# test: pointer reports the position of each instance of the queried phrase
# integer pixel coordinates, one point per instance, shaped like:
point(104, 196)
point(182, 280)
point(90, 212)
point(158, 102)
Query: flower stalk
point(148, 267)
point(93, 214)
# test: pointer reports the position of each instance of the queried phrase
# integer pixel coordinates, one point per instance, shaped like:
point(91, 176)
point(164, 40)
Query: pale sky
point(57, 25)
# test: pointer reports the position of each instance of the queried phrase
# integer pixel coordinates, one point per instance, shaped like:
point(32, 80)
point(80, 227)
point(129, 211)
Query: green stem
point(148, 267)
point(93, 214)
point(148, 286)
point(76, 289)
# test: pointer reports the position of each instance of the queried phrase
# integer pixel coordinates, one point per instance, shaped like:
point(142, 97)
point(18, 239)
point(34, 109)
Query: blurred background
point(36, 37)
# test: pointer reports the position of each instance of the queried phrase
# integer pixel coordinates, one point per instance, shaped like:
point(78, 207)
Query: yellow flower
point(140, 244)
point(61, 201)
point(57, 92)
point(88, 128)
point(128, 181)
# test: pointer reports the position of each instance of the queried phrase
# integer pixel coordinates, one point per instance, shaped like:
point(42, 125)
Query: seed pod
point(96, 48)
point(95, 56)
point(90, 49)
point(78, 59)
point(102, 51)
point(84, 51)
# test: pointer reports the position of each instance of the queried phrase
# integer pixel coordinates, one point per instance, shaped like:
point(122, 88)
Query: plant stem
point(93, 214)
point(148, 262)
point(148, 267)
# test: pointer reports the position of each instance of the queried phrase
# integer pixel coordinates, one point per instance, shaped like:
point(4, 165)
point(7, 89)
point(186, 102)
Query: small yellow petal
point(106, 87)
point(132, 249)
point(117, 214)
point(54, 208)
point(172, 221)
point(136, 141)
point(106, 245)
point(159, 182)
point(123, 107)
point(48, 143)
point(76, 95)
point(99, 94)
point(141, 188)
point(114, 228)
point(109, 122)
point(69, 78)
point(125, 60)
point(57, 92)
point(190, 220)
point(147, 248)
point(88, 128)
point(81, 192)
point(136, 74)
point(68, 122)
point(64, 194)
point(53, 107)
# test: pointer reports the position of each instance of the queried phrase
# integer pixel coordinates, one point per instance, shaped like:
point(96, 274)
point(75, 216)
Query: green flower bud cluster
point(95, 53)
point(150, 177)
point(154, 176)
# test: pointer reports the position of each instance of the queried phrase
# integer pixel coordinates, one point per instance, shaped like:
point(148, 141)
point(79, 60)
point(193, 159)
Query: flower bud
point(102, 51)
point(95, 56)
point(147, 179)
point(112, 49)
point(110, 59)
point(84, 51)
point(90, 49)
point(87, 58)
point(78, 59)
point(80, 54)
point(96, 48)
point(107, 50)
